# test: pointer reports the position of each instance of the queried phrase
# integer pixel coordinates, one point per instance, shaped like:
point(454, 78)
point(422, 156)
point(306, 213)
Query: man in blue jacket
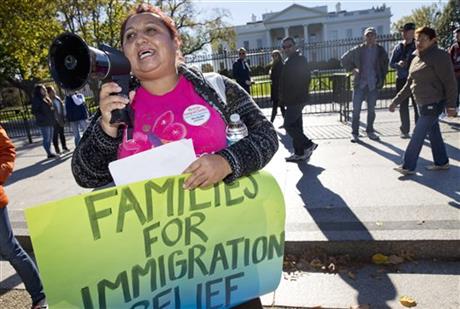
point(76, 114)
point(401, 58)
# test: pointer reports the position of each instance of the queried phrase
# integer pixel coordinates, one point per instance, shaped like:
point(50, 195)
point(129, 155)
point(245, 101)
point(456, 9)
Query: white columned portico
point(269, 39)
point(286, 31)
point(305, 34)
point(325, 35)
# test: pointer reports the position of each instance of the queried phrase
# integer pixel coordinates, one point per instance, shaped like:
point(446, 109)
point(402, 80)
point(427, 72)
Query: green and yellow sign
point(152, 244)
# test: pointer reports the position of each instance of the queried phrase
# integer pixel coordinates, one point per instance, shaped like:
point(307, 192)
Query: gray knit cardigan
point(96, 149)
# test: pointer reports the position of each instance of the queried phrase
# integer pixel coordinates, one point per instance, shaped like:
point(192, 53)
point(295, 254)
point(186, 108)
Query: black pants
point(275, 109)
point(404, 108)
point(293, 125)
point(245, 86)
point(59, 132)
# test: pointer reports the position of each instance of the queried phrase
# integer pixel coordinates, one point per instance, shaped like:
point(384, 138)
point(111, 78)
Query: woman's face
point(43, 91)
point(149, 47)
point(422, 41)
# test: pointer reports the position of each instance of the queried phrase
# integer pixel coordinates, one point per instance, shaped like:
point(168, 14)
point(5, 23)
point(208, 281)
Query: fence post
point(24, 117)
point(26, 126)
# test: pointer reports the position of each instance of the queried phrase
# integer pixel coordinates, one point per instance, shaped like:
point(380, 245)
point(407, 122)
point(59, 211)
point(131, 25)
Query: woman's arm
point(91, 158)
point(253, 152)
point(403, 94)
point(445, 72)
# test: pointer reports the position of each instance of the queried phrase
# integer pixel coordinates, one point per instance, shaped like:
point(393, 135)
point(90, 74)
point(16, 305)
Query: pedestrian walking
point(275, 75)
point(293, 94)
point(10, 249)
point(43, 110)
point(242, 71)
point(77, 114)
point(59, 117)
point(368, 63)
point(400, 59)
point(432, 82)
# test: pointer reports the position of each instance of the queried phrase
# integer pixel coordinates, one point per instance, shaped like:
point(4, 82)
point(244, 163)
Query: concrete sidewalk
point(347, 199)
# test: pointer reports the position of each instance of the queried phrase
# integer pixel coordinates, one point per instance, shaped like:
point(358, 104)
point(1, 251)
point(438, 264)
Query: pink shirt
point(178, 114)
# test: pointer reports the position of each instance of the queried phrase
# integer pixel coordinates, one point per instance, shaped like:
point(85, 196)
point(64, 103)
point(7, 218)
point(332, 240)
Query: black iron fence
point(330, 89)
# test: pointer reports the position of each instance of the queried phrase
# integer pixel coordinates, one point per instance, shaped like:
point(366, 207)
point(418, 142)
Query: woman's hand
point(206, 171)
point(107, 103)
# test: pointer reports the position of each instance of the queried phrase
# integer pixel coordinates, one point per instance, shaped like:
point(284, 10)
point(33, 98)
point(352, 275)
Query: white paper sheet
point(167, 160)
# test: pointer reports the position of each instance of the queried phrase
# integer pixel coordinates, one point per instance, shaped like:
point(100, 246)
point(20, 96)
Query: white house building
point(314, 26)
point(310, 25)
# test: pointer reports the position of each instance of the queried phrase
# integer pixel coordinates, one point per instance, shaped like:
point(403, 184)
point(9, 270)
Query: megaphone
point(72, 63)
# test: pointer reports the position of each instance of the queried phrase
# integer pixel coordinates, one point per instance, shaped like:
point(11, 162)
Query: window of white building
point(259, 43)
point(333, 35)
point(349, 33)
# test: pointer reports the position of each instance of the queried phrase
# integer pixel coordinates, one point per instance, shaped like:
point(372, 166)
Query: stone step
point(432, 284)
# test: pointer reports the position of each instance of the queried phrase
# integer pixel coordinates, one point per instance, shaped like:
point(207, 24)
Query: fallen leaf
point(379, 259)
point(407, 301)
point(394, 259)
point(316, 263)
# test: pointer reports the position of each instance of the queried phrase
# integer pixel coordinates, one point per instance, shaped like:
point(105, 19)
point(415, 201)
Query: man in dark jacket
point(242, 71)
point(454, 52)
point(293, 92)
point(369, 64)
point(401, 58)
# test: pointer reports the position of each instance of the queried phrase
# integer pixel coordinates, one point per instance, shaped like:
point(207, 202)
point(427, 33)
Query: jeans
point(293, 125)
point(12, 251)
point(425, 125)
point(404, 108)
point(76, 126)
point(47, 133)
point(59, 134)
point(359, 95)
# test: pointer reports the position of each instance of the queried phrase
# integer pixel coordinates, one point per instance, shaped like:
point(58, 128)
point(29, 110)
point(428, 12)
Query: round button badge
point(196, 115)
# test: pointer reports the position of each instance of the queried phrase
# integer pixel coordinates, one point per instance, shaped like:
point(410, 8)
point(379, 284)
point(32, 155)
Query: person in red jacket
point(454, 52)
point(10, 249)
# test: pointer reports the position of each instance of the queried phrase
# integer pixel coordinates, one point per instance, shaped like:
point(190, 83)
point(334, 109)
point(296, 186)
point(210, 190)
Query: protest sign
point(152, 244)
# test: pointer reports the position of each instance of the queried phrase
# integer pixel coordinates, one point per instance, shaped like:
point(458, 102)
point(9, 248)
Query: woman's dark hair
point(148, 8)
point(38, 94)
point(37, 91)
point(429, 32)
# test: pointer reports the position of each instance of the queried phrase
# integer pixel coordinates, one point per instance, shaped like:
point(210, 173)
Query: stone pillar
point(286, 31)
point(269, 39)
point(325, 36)
point(305, 34)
